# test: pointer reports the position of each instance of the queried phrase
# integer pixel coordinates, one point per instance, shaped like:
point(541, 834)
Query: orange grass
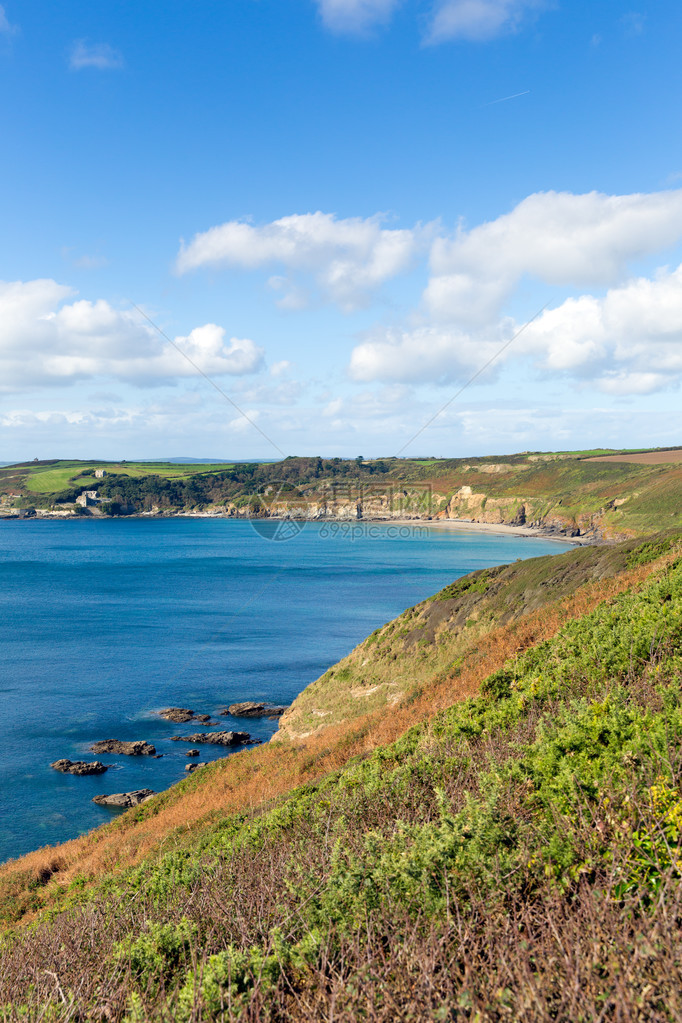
point(249, 779)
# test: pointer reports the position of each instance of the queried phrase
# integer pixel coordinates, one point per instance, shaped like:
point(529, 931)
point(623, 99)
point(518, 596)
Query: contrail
point(505, 98)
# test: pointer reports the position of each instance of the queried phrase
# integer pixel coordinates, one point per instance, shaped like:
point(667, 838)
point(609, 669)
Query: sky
point(258, 228)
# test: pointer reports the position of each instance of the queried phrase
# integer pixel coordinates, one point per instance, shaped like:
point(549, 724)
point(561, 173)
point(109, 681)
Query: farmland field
point(63, 474)
point(643, 457)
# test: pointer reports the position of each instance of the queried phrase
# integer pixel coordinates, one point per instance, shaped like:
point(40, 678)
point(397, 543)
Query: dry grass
point(248, 779)
point(518, 947)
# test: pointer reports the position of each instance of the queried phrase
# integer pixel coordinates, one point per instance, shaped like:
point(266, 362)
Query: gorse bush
point(158, 950)
point(516, 857)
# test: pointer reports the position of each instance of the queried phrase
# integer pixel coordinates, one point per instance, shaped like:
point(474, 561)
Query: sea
point(104, 622)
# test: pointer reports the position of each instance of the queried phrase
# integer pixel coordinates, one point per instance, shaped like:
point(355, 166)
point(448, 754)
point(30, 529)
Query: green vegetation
point(516, 855)
point(560, 490)
point(64, 475)
point(433, 637)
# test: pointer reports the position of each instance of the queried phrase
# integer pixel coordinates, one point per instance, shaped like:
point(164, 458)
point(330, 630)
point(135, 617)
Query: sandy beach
point(472, 526)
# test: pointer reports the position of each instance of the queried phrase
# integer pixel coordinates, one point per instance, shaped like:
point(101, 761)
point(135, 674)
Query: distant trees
point(235, 485)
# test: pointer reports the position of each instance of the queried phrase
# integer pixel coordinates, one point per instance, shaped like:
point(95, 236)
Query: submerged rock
point(215, 738)
point(79, 767)
point(125, 799)
point(252, 709)
point(138, 748)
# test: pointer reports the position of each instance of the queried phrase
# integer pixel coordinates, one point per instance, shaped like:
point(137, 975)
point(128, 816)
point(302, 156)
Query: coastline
point(501, 528)
point(473, 525)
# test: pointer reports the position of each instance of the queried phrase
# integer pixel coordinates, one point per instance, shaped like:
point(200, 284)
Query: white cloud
point(627, 342)
point(281, 368)
point(5, 27)
point(478, 20)
point(96, 55)
point(355, 16)
point(244, 424)
point(349, 258)
point(425, 355)
point(45, 340)
point(557, 237)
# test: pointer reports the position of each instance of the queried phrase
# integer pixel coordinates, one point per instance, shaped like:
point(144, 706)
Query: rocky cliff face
point(466, 504)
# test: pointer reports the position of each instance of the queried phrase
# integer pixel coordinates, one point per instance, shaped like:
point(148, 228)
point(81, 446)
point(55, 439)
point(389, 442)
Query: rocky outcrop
point(79, 767)
point(138, 748)
point(251, 709)
point(215, 738)
point(178, 715)
point(181, 715)
point(192, 753)
point(124, 800)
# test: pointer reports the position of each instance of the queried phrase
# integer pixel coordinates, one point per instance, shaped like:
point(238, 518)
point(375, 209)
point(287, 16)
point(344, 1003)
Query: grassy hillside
point(501, 842)
point(564, 492)
point(61, 475)
point(432, 638)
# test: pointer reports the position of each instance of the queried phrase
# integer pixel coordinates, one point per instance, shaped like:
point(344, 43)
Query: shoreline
point(473, 525)
point(501, 528)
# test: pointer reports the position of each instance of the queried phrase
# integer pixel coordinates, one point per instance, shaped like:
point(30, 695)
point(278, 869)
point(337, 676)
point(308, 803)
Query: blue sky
point(339, 211)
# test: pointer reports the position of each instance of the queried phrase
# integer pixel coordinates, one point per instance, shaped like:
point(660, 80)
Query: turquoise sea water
point(104, 622)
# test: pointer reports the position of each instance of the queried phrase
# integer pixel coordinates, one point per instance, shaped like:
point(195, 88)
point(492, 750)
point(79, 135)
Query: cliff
point(565, 493)
point(497, 839)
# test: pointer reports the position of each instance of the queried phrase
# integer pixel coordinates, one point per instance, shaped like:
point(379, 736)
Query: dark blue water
point(102, 623)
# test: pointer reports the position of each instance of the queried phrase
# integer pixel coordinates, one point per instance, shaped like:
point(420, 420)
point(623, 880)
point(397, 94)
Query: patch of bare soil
point(642, 457)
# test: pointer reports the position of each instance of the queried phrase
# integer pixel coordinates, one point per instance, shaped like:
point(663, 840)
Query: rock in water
point(124, 800)
point(139, 748)
point(251, 709)
point(79, 767)
point(192, 752)
point(215, 738)
point(179, 715)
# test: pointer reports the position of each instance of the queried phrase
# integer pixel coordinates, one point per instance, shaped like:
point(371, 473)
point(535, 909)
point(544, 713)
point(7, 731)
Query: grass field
point(63, 474)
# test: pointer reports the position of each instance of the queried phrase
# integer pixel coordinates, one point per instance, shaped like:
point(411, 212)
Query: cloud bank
point(46, 340)
point(628, 341)
point(556, 237)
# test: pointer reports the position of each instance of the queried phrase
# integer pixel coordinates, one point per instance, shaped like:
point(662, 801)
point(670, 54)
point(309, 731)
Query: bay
point(104, 622)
